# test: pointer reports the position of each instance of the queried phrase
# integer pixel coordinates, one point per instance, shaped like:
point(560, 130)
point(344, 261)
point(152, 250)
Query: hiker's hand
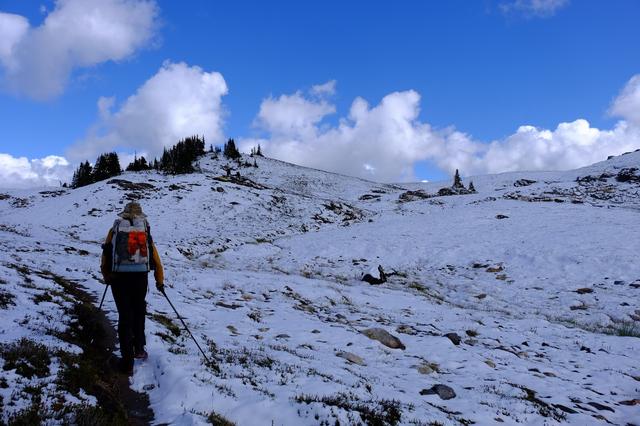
point(160, 287)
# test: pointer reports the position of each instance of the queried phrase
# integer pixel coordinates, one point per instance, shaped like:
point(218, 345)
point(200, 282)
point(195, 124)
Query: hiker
point(128, 254)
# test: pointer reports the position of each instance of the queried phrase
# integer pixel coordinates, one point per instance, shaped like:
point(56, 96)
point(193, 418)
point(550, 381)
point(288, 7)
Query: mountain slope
point(266, 270)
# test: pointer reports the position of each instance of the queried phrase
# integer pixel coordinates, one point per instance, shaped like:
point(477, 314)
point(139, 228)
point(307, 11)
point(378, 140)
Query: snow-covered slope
point(539, 281)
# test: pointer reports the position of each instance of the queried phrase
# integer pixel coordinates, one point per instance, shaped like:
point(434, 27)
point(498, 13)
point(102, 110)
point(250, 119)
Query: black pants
point(129, 291)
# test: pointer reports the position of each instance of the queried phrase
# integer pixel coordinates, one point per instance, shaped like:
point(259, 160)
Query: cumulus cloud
point(178, 101)
point(627, 104)
point(24, 173)
point(386, 141)
point(533, 8)
point(37, 61)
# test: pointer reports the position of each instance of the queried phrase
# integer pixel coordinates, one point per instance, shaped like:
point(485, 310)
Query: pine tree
point(230, 150)
point(472, 188)
point(457, 182)
point(82, 176)
point(107, 165)
point(179, 158)
point(259, 151)
point(138, 164)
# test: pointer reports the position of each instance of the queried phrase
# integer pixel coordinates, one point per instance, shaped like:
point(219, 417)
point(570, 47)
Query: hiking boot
point(125, 366)
point(141, 354)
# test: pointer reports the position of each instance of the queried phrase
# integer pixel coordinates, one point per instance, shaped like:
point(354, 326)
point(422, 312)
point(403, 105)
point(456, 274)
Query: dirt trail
point(93, 332)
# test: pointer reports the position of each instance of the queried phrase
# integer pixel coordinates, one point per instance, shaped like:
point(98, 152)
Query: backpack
point(131, 246)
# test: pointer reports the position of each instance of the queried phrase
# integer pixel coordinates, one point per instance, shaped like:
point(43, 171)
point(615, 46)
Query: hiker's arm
point(105, 266)
point(158, 272)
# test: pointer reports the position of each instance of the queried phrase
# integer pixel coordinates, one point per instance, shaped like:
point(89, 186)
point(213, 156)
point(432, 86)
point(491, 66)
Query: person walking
point(128, 254)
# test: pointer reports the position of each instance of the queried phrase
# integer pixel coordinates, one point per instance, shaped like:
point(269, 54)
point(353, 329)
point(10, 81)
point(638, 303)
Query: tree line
point(176, 160)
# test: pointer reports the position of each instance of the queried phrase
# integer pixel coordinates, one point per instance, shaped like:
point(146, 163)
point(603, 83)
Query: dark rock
point(524, 182)
point(130, 186)
point(443, 391)
point(502, 216)
point(443, 192)
point(584, 290)
point(585, 349)
point(601, 407)
point(565, 409)
point(367, 197)
point(455, 339)
point(628, 175)
point(414, 195)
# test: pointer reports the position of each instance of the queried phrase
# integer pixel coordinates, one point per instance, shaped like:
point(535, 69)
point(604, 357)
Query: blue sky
point(484, 67)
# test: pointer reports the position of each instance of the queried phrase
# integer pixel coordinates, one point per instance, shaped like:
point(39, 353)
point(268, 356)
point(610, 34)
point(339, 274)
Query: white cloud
point(386, 141)
point(178, 101)
point(326, 89)
point(24, 173)
point(627, 104)
point(534, 8)
point(292, 115)
point(38, 61)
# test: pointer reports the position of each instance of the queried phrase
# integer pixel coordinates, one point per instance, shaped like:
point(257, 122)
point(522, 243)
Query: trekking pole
point(213, 365)
point(106, 287)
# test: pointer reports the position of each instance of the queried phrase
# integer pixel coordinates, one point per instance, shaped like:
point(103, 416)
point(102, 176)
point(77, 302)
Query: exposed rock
point(130, 186)
point(443, 192)
point(565, 409)
point(628, 175)
point(368, 197)
point(584, 290)
point(406, 329)
point(428, 368)
point(443, 391)
point(490, 363)
point(413, 196)
point(494, 269)
point(502, 216)
point(601, 407)
point(384, 337)
point(351, 357)
point(455, 339)
point(240, 180)
point(524, 182)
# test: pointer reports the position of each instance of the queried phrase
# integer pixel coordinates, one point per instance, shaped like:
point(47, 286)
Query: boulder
point(443, 391)
point(352, 358)
point(384, 337)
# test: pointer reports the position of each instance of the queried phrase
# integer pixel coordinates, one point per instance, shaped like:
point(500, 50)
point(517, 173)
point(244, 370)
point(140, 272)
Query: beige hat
point(132, 210)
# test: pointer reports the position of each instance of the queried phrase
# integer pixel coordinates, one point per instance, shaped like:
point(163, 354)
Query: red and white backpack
point(132, 246)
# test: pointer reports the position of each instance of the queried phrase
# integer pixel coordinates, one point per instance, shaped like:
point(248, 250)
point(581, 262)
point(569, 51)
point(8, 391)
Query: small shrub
point(6, 299)
point(372, 413)
point(627, 328)
point(217, 420)
point(27, 357)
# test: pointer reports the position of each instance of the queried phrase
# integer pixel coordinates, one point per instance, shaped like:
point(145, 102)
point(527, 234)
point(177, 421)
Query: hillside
point(521, 298)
